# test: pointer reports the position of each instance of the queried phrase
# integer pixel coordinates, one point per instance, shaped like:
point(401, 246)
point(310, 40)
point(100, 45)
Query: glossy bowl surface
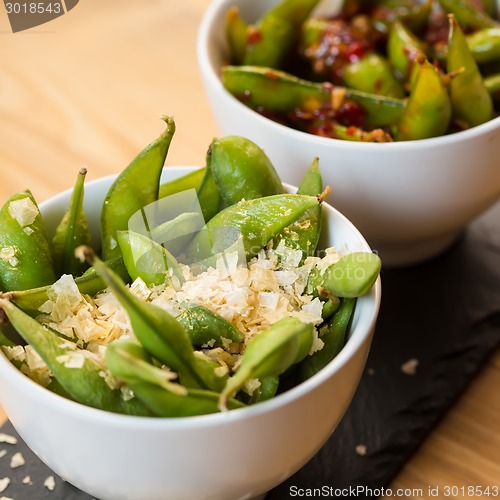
point(409, 199)
point(235, 455)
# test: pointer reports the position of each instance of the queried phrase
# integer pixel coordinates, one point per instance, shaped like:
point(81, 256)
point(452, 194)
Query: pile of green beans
point(238, 188)
point(375, 71)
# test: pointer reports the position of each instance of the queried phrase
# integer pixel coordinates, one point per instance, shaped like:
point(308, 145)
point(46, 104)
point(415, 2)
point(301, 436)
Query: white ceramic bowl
point(236, 455)
point(409, 199)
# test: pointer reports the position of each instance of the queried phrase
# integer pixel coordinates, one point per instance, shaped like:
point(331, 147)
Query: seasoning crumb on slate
point(6, 498)
point(3, 453)
point(4, 483)
point(370, 371)
point(5, 438)
point(361, 450)
point(27, 480)
point(410, 367)
point(17, 460)
point(50, 483)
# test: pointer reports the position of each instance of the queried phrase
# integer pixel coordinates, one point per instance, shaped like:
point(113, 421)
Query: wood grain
point(89, 88)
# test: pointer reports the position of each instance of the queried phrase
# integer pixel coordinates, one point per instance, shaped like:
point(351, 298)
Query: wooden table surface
point(89, 88)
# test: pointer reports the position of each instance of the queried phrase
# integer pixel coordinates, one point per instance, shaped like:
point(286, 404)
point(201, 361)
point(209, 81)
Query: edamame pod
point(468, 15)
point(204, 326)
point(256, 222)
point(236, 34)
point(88, 283)
point(351, 276)
point(269, 42)
point(71, 232)
point(129, 362)
point(403, 48)
point(188, 181)
point(136, 187)
point(146, 259)
point(266, 390)
point(471, 101)
point(208, 193)
point(242, 170)
point(428, 113)
point(333, 337)
point(84, 384)
point(282, 92)
point(158, 331)
point(372, 74)
point(270, 353)
point(485, 45)
point(25, 257)
point(303, 234)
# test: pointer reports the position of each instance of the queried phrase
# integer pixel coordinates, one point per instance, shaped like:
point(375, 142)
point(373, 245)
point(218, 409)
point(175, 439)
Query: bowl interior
point(337, 231)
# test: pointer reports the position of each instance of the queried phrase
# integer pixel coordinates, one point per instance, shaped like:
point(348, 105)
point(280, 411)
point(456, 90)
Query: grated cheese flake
point(50, 483)
point(6, 438)
point(8, 254)
point(27, 480)
point(3, 453)
point(4, 483)
point(17, 460)
point(23, 211)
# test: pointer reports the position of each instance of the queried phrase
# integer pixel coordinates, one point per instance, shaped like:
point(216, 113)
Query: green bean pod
point(72, 231)
point(303, 234)
point(334, 339)
point(428, 113)
point(468, 15)
point(204, 326)
point(256, 222)
point(131, 364)
point(236, 35)
point(192, 180)
point(242, 170)
point(270, 353)
point(471, 101)
point(373, 74)
point(25, 257)
point(85, 384)
point(351, 276)
point(135, 187)
point(159, 332)
point(89, 283)
point(282, 92)
point(146, 259)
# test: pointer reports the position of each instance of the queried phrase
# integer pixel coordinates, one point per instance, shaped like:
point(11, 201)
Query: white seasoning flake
point(28, 230)
point(17, 460)
point(410, 367)
point(6, 438)
point(6, 498)
point(361, 450)
point(24, 211)
point(8, 254)
point(4, 483)
point(3, 453)
point(27, 480)
point(50, 483)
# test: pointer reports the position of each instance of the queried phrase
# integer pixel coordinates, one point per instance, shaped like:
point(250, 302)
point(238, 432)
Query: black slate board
point(445, 313)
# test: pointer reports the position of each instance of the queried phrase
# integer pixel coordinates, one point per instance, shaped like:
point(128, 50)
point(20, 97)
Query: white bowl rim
point(212, 14)
point(177, 423)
